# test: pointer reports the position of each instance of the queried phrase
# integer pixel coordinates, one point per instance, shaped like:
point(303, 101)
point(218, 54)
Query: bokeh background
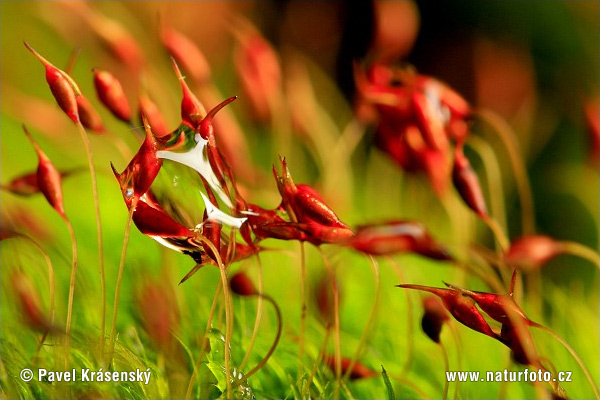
point(536, 64)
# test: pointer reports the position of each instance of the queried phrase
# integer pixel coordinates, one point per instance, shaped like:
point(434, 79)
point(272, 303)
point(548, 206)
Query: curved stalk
point(88, 152)
point(119, 279)
point(51, 290)
point(401, 379)
point(336, 324)
point(320, 356)
point(504, 384)
point(409, 318)
point(71, 288)
point(575, 356)
point(273, 346)
point(492, 171)
point(259, 306)
point(370, 318)
point(456, 338)
point(446, 367)
point(303, 308)
point(582, 251)
point(508, 138)
point(498, 232)
point(213, 307)
point(487, 258)
point(552, 369)
point(228, 311)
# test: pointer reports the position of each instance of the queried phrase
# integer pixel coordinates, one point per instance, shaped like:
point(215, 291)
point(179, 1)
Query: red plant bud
point(305, 205)
point(205, 128)
point(27, 184)
point(24, 185)
point(309, 205)
point(117, 40)
point(467, 184)
point(192, 109)
point(141, 171)
point(323, 296)
point(89, 116)
point(148, 216)
point(437, 165)
point(461, 307)
point(509, 337)
point(259, 71)
point(63, 87)
point(591, 109)
point(241, 285)
point(287, 189)
point(19, 220)
point(430, 123)
point(268, 224)
point(155, 119)
point(48, 178)
point(212, 231)
point(434, 317)
point(318, 234)
point(111, 94)
point(499, 307)
point(282, 230)
point(158, 313)
point(531, 252)
point(397, 236)
point(186, 53)
point(359, 371)
point(26, 295)
point(154, 221)
point(242, 252)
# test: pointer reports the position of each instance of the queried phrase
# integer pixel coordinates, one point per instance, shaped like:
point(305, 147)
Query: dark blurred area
point(533, 63)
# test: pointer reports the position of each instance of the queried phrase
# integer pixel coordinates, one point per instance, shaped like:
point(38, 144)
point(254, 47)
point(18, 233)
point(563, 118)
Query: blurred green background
point(534, 63)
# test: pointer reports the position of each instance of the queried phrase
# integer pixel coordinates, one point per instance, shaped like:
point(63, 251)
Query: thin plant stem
point(409, 318)
point(498, 232)
point(576, 357)
point(504, 383)
point(119, 279)
point(492, 171)
point(259, 307)
point(582, 251)
point(320, 356)
point(88, 152)
point(446, 368)
point(534, 292)
point(347, 391)
point(370, 318)
point(303, 308)
point(456, 338)
point(401, 379)
point(211, 314)
point(228, 311)
point(509, 139)
point(487, 258)
point(336, 324)
point(51, 290)
point(552, 368)
point(273, 346)
point(71, 288)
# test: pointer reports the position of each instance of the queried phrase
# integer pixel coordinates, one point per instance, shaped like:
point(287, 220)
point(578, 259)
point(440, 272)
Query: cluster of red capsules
point(418, 118)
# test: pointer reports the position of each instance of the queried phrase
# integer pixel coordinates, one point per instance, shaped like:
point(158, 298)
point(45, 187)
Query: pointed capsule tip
point(211, 114)
point(176, 69)
point(37, 55)
point(114, 170)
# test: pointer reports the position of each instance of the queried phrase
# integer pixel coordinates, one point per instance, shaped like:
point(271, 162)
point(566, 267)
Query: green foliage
point(359, 182)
